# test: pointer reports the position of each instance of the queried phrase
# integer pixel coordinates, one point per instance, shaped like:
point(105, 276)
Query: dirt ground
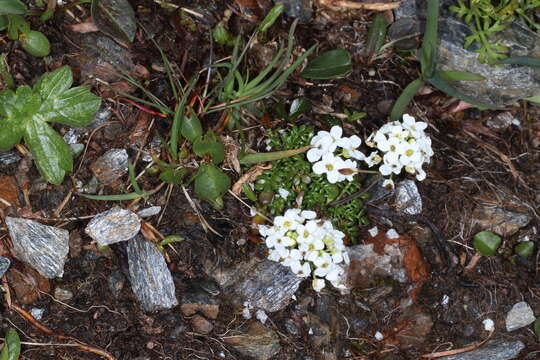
point(473, 164)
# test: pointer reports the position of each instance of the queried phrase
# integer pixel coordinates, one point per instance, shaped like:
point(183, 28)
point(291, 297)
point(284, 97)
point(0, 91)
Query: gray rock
point(9, 157)
point(4, 265)
point(503, 85)
point(404, 28)
point(499, 219)
point(408, 199)
point(492, 350)
point(257, 342)
point(150, 211)
point(111, 166)
point(102, 56)
point(502, 121)
point(113, 225)
point(116, 282)
point(43, 247)
point(201, 325)
point(266, 284)
point(62, 294)
point(150, 278)
point(196, 300)
point(301, 9)
point(37, 313)
point(519, 316)
point(291, 327)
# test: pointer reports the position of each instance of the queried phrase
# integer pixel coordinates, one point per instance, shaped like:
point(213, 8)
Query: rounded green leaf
point(211, 184)
point(524, 249)
point(12, 346)
point(10, 7)
point(35, 43)
point(487, 243)
point(191, 127)
point(209, 144)
point(222, 35)
point(329, 65)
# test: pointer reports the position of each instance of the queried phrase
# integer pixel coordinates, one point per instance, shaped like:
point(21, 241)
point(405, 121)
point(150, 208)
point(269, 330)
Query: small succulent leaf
point(74, 107)
point(329, 65)
point(487, 243)
point(191, 127)
point(52, 84)
point(209, 144)
point(35, 43)
point(115, 18)
point(10, 7)
point(51, 154)
point(524, 249)
point(211, 184)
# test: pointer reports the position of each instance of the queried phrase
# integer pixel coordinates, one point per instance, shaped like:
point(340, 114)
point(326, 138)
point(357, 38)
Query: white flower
point(388, 184)
point(334, 273)
point(373, 159)
point(318, 284)
point(350, 147)
point(274, 255)
point(330, 165)
point(308, 214)
point(286, 222)
point(392, 234)
point(324, 142)
point(323, 264)
point(302, 270)
point(283, 193)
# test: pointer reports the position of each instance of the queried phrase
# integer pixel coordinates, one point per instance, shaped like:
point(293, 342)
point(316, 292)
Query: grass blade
point(271, 156)
point(522, 60)
point(405, 98)
point(455, 75)
point(118, 197)
point(445, 87)
point(428, 58)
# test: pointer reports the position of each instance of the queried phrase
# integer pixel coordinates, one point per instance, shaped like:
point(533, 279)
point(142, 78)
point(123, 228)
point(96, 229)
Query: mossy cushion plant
point(27, 112)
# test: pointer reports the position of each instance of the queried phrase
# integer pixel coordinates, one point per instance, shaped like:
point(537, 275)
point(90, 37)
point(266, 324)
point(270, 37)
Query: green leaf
point(487, 243)
point(17, 25)
point(173, 176)
point(52, 84)
point(454, 75)
point(10, 7)
point(11, 132)
point(171, 239)
point(211, 184)
point(118, 197)
point(3, 22)
point(524, 249)
point(191, 127)
point(521, 60)
point(428, 58)
point(271, 17)
point(133, 178)
point(51, 154)
point(209, 144)
point(12, 346)
point(537, 328)
point(271, 156)
point(115, 18)
point(533, 99)
point(329, 65)
point(405, 98)
point(35, 43)
point(376, 35)
point(445, 87)
point(222, 35)
point(74, 107)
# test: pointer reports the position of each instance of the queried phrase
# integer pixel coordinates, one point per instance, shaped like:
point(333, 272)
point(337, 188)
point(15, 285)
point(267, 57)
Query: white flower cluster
point(337, 167)
point(402, 145)
point(309, 246)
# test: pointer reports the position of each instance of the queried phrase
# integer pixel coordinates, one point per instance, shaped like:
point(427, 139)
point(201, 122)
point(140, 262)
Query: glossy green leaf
point(74, 107)
point(487, 243)
point(3, 22)
point(191, 127)
point(271, 17)
point(524, 249)
point(17, 25)
point(537, 328)
point(209, 144)
point(10, 7)
point(51, 154)
point(329, 65)
point(428, 57)
point(115, 18)
point(35, 43)
point(521, 60)
point(299, 106)
point(211, 184)
point(448, 89)
point(52, 84)
point(249, 159)
point(173, 176)
point(454, 75)
point(11, 132)
point(376, 35)
point(405, 98)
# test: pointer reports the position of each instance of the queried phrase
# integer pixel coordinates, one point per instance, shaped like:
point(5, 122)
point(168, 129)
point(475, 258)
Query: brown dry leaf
point(8, 192)
point(249, 9)
point(347, 5)
point(27, 284)
point(249, 177)
point(140, 131)
point(231, 153)
point(85, 27)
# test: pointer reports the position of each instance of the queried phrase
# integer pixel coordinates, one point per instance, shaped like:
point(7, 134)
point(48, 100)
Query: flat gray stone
point(408, 199)
point(492, 350)
point(258, 342)
point(519, 316)
point(499, 219)
point(4, 265)
point(111, 166)
point(113, 225)
point(151, 279)
point(44, 248)
point(266, 284)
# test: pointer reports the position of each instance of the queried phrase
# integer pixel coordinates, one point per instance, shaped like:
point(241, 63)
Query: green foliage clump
point(486, 18)
point(294, 174)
